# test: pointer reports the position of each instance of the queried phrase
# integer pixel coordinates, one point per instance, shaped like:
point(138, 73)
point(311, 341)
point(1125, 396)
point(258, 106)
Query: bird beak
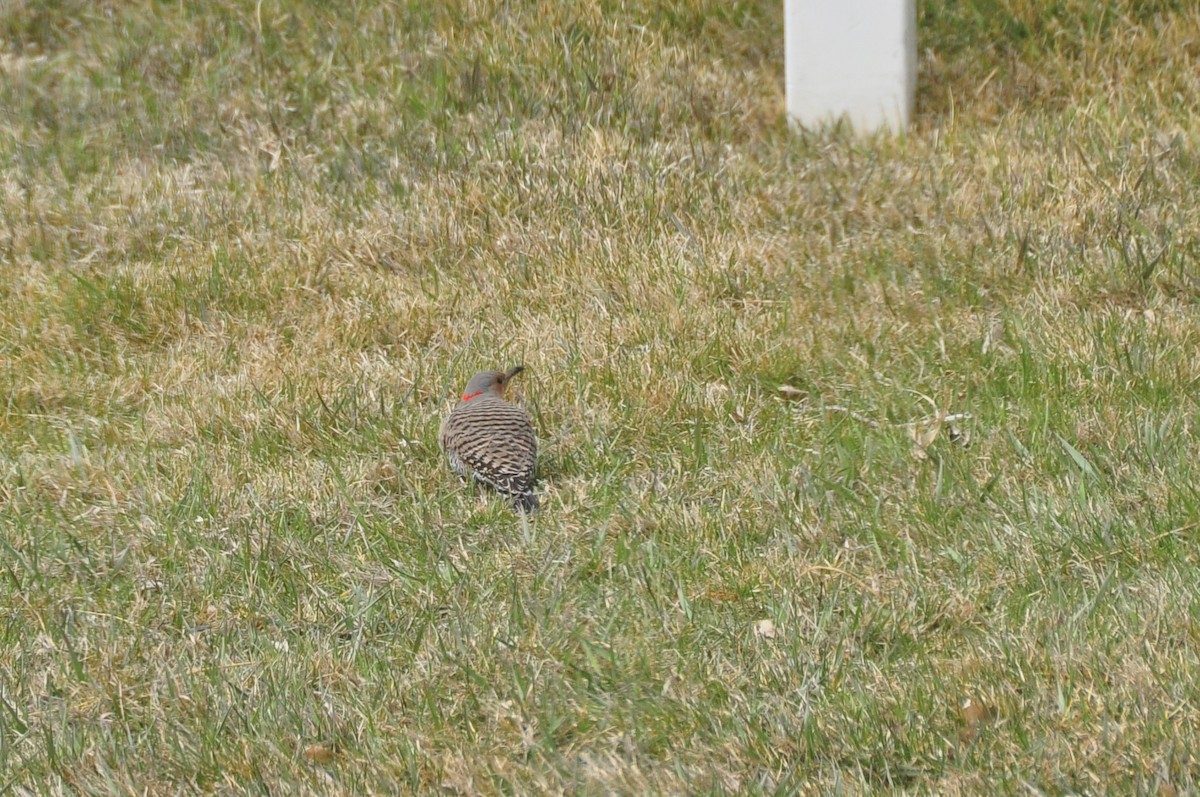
point(511, 372)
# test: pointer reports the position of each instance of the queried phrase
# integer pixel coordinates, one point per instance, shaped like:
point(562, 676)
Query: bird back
point(492, 441)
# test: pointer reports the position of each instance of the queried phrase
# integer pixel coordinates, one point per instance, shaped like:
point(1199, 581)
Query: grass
point(252, 251)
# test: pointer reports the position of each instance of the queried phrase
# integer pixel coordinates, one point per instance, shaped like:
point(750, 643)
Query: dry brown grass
point(253, 250)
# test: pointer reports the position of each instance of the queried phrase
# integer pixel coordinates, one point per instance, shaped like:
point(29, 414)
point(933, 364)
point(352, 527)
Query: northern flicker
point(492, 441)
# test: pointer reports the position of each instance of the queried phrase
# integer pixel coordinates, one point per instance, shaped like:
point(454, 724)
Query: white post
point(856, 58)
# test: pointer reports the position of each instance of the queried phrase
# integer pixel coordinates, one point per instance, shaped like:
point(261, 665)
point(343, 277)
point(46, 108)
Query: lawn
point(869, 464)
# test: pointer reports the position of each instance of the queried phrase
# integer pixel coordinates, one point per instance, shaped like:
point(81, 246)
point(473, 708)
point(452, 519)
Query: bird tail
point(526, 502)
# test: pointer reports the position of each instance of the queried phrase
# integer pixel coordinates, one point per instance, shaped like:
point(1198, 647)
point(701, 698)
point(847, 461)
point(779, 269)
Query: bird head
point(493, 381)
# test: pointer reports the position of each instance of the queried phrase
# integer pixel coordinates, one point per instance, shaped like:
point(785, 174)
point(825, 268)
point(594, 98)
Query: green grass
point(251, 252)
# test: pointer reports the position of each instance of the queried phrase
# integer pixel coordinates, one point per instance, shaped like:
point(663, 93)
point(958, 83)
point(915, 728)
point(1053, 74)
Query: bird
point(491, 440)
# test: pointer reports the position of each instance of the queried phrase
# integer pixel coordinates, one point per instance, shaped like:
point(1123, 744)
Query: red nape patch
point(469, 396)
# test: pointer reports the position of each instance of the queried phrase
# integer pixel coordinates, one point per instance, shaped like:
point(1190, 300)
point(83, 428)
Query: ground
point(869, 463)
